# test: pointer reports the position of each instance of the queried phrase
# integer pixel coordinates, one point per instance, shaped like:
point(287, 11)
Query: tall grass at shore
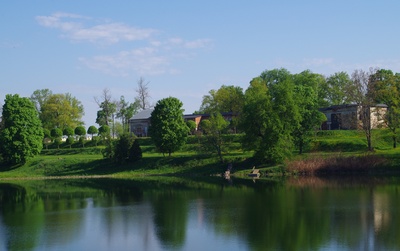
point(336, 164)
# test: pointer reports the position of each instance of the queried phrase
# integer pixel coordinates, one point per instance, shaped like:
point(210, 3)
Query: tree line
point(277, 113)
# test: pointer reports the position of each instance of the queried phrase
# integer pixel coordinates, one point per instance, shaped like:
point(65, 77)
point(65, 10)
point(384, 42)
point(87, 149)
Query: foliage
point(361, 92)
point(61, 111)
point(126, 111)
point(269, 116)
point(386, 86)
point(337, 84)
point(39, 97)
point(68, 131)
point(70, 140)
point(212, 141)
point(104, 132)
point(92, 130)
point(306, 89)
point(22, 135)
point(191, 125)
point(81, 131)
point(225, 99)
point(126, 150)
point(108, 152)
point(168, 130)
point(56, 134)
point(105, 116)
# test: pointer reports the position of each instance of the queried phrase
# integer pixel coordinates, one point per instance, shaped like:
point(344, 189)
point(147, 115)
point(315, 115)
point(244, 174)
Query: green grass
point(189, 161)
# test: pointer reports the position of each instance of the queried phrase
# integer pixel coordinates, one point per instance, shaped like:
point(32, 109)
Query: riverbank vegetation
point(275, 122)
point(329, 152)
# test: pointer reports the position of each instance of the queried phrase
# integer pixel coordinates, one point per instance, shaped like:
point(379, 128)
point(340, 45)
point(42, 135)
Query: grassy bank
point(335, 152)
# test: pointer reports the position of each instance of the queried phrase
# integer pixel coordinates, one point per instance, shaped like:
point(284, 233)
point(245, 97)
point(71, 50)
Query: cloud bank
point(156, 56)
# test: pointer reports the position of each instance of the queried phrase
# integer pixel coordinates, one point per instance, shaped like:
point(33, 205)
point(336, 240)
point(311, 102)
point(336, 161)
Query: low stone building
point(139, 124)
point(348, 117)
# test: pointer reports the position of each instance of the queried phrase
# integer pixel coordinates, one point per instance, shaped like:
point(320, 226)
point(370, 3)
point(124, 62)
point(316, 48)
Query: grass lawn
point(88, 161)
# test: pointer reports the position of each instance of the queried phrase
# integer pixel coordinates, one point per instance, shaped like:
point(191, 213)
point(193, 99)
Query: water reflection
point(177, 214)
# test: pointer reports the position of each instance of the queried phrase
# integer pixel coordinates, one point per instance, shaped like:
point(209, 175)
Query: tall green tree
point(270, 116)
point(61, 111)
point(386, 86)
point(168, 130)
point(306, 89)
point(22, 135)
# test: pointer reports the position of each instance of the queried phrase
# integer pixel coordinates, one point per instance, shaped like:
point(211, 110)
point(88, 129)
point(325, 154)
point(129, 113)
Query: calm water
point(178, 214)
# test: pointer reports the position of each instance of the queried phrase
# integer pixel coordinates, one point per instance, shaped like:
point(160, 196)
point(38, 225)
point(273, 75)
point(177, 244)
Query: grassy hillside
point(190, 160)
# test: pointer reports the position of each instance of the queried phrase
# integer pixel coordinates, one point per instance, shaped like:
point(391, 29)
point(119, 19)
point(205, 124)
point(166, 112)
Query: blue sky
point(185, 48)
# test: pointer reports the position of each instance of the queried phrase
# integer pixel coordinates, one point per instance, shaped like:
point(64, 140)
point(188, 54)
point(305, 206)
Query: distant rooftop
point(145, 114)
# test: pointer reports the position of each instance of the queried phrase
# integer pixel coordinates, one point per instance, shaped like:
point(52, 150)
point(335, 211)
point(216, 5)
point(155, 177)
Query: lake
point(200, 214)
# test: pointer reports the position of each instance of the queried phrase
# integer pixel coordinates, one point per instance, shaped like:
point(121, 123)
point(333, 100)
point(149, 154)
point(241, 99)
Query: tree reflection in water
point(148, 214)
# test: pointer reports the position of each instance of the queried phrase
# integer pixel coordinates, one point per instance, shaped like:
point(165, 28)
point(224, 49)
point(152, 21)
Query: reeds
point(335, 165)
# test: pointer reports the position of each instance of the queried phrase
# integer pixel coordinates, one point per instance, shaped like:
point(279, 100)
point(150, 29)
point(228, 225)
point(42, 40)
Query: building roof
point(336, 107)
point(145, 114)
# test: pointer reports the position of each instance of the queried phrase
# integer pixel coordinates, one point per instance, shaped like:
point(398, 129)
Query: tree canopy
point(168, 130)
point(61, 111)
point(22, 135)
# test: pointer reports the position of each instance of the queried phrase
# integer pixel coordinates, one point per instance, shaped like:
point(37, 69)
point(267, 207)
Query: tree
point(306, 89)
point(46, 137)
point(168, 130)
point(386, 86)
point(104, 131)
point(361, 92)
point(336, 88)
point(68, 131)
point(61, 111)
point(126, 111)
point(22, 135)
point(56, 134)
point(39, 97)
point(227, 99)
point(270, 116)
point(108, 108)
point(70, 140)
point(92, 130)
point(212, 140)
point(143, 94)
point(126, 150)
point(81, 132)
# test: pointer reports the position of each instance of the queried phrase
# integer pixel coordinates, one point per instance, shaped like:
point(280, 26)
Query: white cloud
point(73, 27)
point(154, 57)
point(144, 61)
point(199, 43)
